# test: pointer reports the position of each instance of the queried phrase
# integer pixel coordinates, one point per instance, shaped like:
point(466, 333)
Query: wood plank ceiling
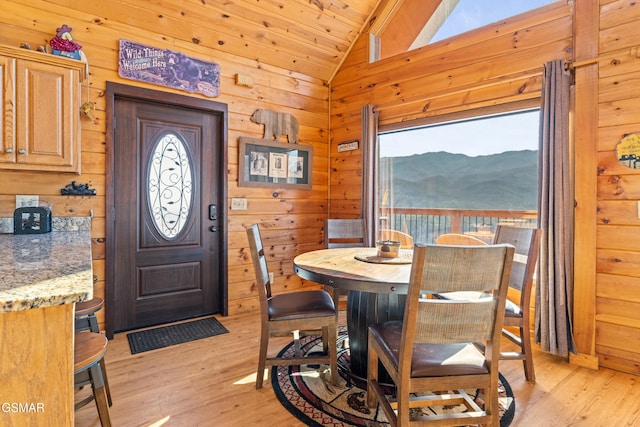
point(303, 36)
point(310, 37)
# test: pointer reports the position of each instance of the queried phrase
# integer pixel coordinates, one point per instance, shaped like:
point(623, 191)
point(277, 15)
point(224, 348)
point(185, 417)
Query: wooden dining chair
point(406, 241)
point(433, 349)
point(458, 239)
point(343, 233)
point(312, 310)
point(517, 326)
point(517, 311)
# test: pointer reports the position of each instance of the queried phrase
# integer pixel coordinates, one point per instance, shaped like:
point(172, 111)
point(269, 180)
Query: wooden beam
point(586, 19)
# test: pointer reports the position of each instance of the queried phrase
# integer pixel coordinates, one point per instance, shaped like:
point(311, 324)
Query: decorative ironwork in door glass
point(170, 185)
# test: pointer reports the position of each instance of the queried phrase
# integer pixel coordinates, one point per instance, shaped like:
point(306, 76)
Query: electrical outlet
point(271, 278)
point(23, 201)
point(238, 204)
point(244, 80)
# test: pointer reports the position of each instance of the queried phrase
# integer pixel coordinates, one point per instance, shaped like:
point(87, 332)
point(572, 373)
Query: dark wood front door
point(165, 234)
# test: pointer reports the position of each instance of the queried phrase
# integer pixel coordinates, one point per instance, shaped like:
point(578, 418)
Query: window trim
point(378, 26)
point(461, 115)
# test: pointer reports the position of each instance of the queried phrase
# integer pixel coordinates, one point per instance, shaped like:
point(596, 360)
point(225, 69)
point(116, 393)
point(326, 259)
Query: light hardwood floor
point(210, 382)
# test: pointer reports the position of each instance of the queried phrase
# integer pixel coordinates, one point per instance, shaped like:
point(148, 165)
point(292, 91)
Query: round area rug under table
point(307, 393)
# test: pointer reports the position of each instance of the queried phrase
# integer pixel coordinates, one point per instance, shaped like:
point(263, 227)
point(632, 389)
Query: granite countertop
point(43, 270)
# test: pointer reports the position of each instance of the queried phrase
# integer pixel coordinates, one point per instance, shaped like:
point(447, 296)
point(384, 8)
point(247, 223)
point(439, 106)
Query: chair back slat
point(518, 274)
point(259, 262)
point(439, 269)
point(466, 321)
point(461, 268)
point(526, 242)
point(341, 233)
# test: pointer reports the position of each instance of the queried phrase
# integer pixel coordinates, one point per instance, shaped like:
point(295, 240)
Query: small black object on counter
point(32, 220)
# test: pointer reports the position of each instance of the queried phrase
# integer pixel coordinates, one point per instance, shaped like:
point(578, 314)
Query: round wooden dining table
point(377, 289)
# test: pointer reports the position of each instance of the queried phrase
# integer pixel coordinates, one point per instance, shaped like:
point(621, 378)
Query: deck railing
point(425, 224)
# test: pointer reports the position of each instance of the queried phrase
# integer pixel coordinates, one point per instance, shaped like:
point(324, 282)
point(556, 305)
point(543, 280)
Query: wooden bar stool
point(85, 315)
point(85, 319)
point(88, 353)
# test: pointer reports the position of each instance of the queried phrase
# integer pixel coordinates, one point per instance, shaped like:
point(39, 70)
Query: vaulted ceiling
point(305, 36)
point(311, 37)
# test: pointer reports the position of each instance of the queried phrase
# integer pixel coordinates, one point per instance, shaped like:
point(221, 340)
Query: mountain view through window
point(483, 163)
point(468, 166)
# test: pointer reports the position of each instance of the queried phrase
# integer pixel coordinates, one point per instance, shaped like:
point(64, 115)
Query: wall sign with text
point(165, 67)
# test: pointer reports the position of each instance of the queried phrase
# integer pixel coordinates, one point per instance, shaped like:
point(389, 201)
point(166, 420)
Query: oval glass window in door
point(170, 185)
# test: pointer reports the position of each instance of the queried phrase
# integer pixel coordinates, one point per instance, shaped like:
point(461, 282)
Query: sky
point(512, 132)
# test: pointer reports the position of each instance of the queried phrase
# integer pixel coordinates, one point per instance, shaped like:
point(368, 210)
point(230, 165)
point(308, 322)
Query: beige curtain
point(369, 198)
point(554, 284)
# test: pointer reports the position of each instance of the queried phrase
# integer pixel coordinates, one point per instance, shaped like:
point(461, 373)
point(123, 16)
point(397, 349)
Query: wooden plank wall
point(291, 222)
point(618, 189)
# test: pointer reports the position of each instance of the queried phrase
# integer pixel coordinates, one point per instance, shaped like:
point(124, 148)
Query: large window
point(462, 176)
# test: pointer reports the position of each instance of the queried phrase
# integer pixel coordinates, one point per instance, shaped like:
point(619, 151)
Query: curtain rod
point(633, 51)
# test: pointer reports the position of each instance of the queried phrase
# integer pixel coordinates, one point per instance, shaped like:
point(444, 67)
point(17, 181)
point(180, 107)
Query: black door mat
point(166, 336)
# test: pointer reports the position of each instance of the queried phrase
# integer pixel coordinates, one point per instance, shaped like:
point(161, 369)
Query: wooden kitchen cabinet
point(40, 118)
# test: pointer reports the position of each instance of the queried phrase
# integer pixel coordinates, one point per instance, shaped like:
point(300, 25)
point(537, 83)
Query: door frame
point(121, 91)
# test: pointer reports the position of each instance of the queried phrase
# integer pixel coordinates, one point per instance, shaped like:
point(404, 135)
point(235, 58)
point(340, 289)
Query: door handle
point(213, 228)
